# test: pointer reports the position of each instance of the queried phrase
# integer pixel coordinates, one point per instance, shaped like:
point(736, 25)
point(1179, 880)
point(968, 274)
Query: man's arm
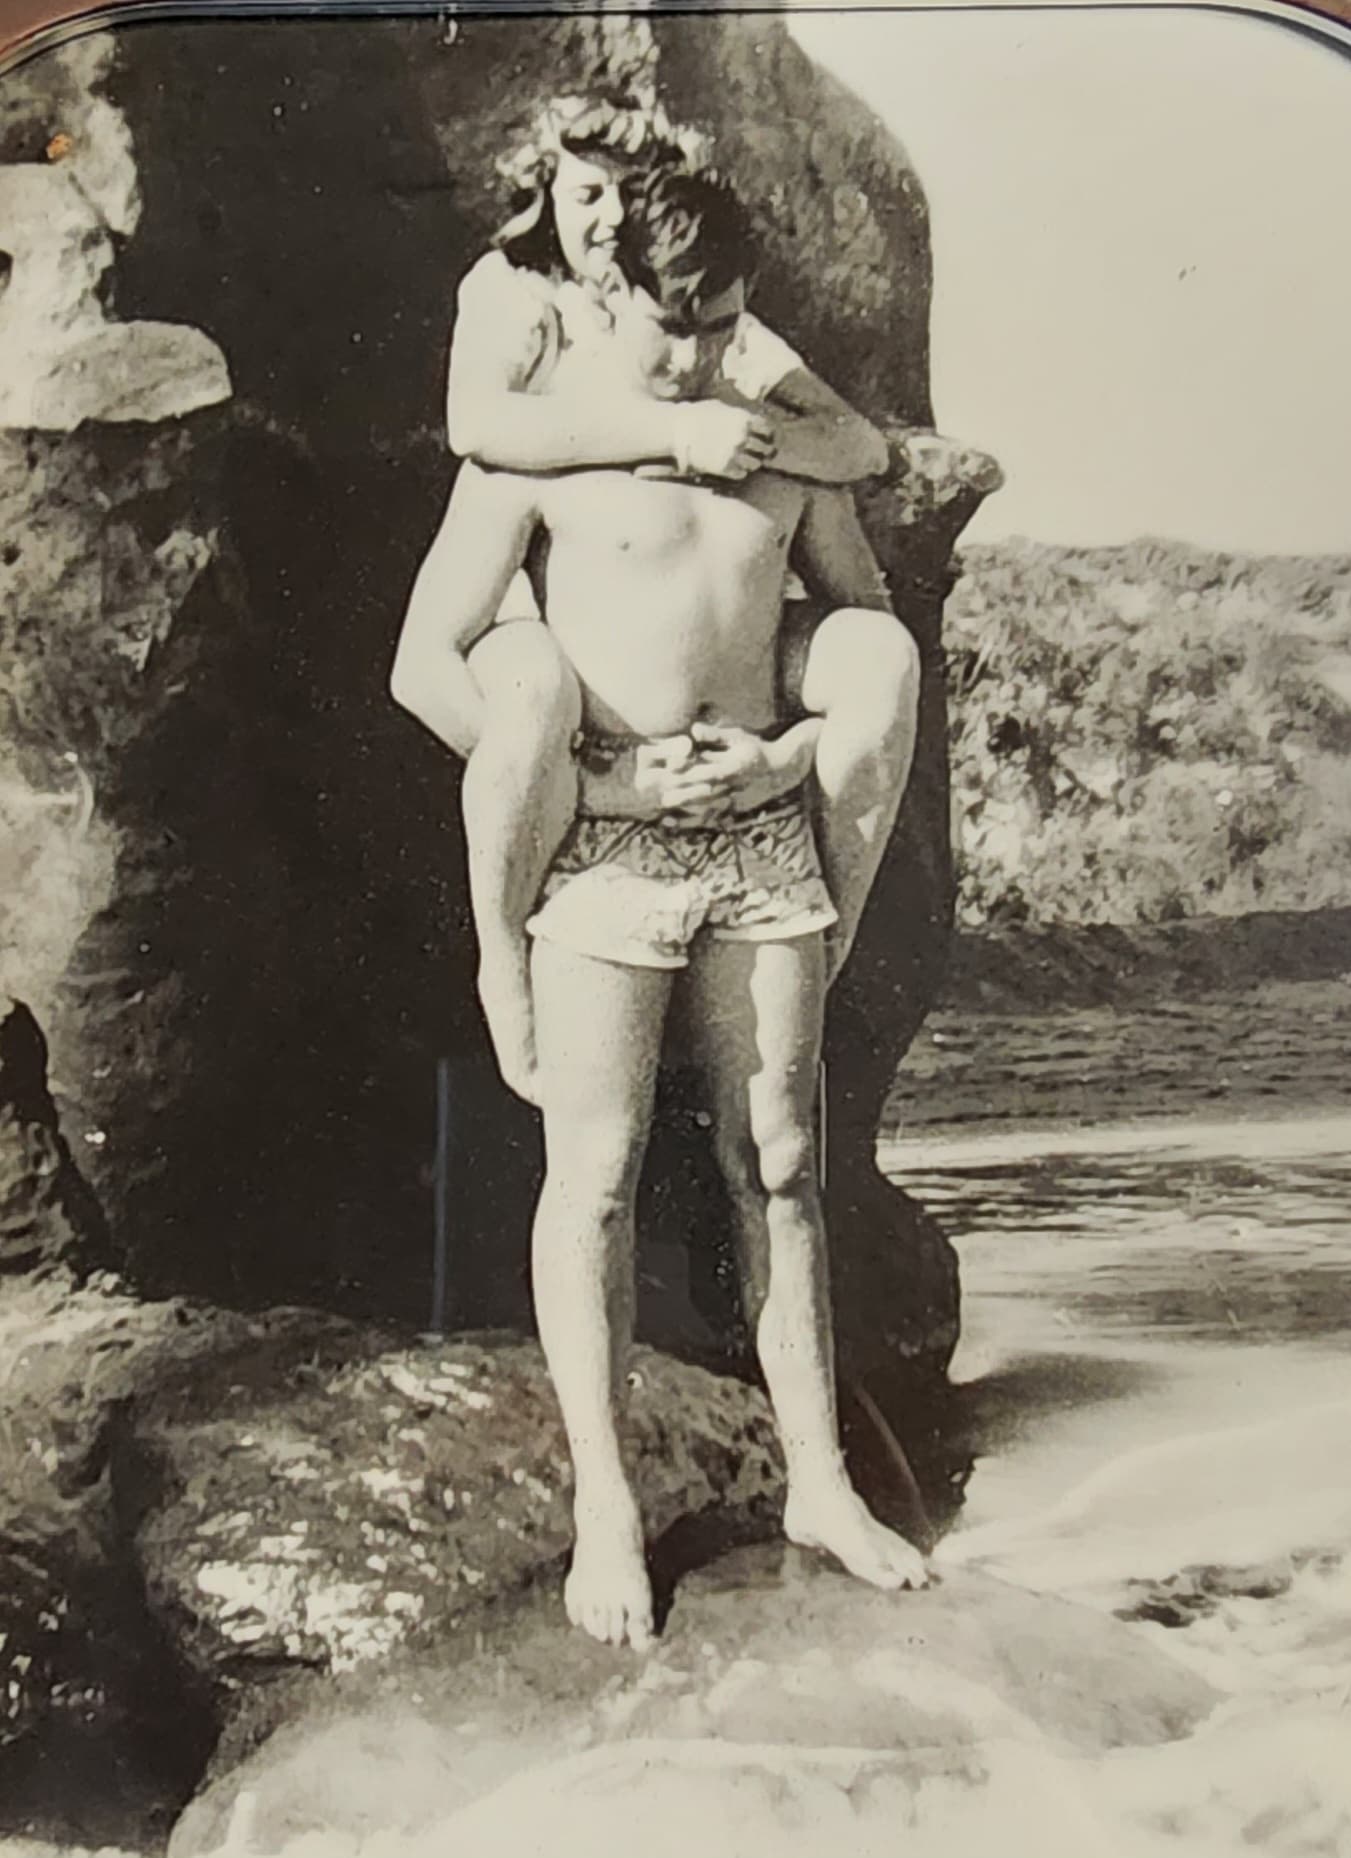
point(478, 551)
point(833, 555)
point(818, 435)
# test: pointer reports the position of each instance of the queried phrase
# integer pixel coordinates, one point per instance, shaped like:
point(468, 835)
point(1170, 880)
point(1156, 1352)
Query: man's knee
point(738, 1161)
point(774, 1154)
point(596, 1159)
point(786, 1156)
point(525, 677)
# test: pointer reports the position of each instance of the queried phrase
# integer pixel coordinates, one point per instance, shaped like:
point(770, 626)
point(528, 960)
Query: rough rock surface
point(321, 1520)
point(785, 1708)
point(197, 1504)
point(47, 1214)
point(67, 191)
point(104, 507)
point(77, 1646)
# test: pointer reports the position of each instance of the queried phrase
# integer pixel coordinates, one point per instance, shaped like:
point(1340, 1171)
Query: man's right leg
point(519, 797)
point(599, 1027)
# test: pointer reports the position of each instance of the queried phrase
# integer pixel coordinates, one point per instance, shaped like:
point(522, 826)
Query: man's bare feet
point(508, 1007)
point(607, 1592)
point(835, 1518)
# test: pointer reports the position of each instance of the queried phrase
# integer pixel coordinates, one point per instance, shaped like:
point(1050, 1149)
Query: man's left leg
point(757, 1010)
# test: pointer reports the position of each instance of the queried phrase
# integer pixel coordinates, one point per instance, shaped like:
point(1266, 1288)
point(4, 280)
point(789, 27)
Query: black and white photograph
point(675, 933)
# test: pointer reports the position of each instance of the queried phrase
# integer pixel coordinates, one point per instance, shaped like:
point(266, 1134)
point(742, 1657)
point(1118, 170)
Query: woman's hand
point(713, 439)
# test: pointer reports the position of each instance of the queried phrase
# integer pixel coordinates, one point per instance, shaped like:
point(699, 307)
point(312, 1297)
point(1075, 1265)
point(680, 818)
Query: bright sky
point(1142, 247)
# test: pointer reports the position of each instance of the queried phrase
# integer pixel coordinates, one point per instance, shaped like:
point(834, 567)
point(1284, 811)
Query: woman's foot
point(833, 1517)
point(607, 1592)
point(508, 1007)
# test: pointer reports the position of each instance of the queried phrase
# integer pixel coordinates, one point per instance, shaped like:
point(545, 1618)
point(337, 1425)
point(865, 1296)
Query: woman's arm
point(499, 425)
point(506, 333)
point(509, 429)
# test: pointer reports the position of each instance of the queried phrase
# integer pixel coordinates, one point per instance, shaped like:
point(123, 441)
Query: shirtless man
point(666, 596)
point(542, 377)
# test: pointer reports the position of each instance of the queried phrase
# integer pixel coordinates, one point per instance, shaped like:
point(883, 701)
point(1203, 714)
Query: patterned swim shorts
point(638, 891)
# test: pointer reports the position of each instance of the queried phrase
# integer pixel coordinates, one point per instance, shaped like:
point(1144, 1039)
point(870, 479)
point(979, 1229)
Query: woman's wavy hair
point(617, 126)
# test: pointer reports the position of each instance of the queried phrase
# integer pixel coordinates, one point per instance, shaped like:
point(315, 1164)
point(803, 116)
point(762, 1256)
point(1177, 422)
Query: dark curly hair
point(685, 239)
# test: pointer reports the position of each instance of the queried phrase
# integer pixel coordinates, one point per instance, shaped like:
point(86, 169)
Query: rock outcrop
point(200, 1508)
point(48, 1217)
point(93, 1718)
point(67, 193)
point(245, 921)
point(302, 1515)
point(786, 1709)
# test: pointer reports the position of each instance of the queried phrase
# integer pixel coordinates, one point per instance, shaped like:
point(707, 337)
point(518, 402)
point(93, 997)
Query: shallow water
point(1156, 1367)
point(1267, 1051)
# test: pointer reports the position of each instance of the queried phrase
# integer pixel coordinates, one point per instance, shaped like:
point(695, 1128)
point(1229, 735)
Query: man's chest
point(648, 521)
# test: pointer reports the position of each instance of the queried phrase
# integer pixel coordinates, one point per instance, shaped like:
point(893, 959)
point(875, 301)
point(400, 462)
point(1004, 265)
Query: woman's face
point(588, 212)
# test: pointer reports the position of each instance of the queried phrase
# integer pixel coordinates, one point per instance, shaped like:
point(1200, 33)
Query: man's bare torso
point(667, 597)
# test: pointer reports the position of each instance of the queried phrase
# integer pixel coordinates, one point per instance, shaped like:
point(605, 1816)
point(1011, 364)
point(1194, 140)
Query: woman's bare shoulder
point(506, 327)
point(494, 283)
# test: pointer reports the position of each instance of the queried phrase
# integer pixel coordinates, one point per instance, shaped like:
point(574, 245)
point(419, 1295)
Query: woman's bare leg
point(758, 1008)
point(598, 1027)
point(861, 676)
point(519, 797)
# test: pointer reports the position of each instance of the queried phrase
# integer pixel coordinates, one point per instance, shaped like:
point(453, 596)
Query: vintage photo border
point(30, 27)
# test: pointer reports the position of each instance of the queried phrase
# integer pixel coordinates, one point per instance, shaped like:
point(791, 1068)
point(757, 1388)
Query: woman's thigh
point(518, 666)
point(857, 658)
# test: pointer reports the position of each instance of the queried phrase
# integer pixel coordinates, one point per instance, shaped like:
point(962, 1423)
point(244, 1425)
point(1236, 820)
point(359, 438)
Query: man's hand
point(714, 770)
point(644, 781)
point(713, 439)
point(720, 768)
point(739, 769)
